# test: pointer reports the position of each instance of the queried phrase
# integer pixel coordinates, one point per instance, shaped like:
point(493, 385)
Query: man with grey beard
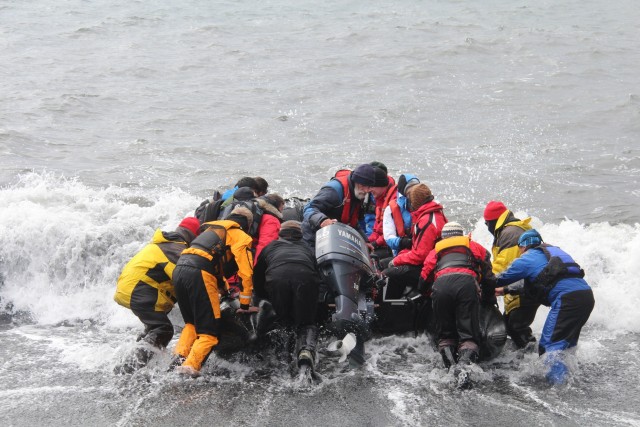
point(339, 200)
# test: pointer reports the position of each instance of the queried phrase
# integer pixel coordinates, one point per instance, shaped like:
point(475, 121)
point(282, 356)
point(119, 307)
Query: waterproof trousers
point(199, 302)
point(569, 312)
point(293, 293)
point(400, 278)
point(455, 309)
point(158, 329)
point(520, 312)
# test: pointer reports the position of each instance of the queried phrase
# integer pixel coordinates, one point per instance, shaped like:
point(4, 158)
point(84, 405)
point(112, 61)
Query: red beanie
point(192, 224)
point(493, 210)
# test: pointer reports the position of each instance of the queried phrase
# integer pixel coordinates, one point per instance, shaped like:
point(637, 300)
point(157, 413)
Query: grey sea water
point(118, 117)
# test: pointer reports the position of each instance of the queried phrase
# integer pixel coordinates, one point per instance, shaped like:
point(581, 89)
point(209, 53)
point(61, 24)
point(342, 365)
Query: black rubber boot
point(468, 356)
point(307, 338)
point(143, 334)
point(176, 361)
point(462, 372)
point(448, 354)
point(263, 321)
point(306, 358)
point(136, 360)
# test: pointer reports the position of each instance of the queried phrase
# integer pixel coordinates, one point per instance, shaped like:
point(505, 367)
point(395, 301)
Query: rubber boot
point(448, 354)
point(558, 372)
point(136, 360)
point(198, 355)
point(262, 322)
point(176, 361)
point(186, 340)
point(356, 357)
point(143, 334)
point(468, 356)
point(307, 338)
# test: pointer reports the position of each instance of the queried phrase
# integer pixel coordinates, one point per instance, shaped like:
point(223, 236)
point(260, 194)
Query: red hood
point(426, 208)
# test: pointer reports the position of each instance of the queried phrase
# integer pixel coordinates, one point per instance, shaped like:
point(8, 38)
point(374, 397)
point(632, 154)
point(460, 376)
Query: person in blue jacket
point(339, 200)
point(554, 279)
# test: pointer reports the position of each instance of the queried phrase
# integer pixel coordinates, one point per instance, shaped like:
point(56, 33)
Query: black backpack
point(294, 209)
point(208, 210)
point(255, 209)
point(555, 270)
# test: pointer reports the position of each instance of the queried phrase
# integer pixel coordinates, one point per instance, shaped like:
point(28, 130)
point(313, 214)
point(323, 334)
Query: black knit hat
point(382, 179)
point(364, 174)
point(380, 165)
point(243, 193)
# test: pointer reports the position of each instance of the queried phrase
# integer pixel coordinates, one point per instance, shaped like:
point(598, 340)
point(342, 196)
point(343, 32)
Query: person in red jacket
point(272, 206)
point(458, 268)
point(428, 218)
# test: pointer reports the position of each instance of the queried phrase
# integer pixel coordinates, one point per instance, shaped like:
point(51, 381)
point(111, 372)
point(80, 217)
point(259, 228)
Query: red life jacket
point(391, 195)
point(396, 214)
point(381, 204)
point(347, 217)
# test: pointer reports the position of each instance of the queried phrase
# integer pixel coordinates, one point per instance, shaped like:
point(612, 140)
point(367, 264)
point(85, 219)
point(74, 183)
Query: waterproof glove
point(395, 271)
point(488, 298)
point(488, 294)
point(423, 286)
point(405, 243)
point(516, 288)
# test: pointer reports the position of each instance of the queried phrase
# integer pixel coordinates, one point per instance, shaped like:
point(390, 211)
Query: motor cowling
point(346, 268)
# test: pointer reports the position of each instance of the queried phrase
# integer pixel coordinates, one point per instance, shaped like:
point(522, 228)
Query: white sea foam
point(608, 254)
point(64, 245)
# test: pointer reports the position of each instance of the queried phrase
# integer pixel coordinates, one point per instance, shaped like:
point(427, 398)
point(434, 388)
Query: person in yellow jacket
point(145, 286)
point(519, 310)
point(198, 279)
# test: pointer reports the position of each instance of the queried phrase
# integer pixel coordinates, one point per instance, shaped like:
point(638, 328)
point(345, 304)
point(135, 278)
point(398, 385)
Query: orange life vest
point(396, 214)
point(347, 217)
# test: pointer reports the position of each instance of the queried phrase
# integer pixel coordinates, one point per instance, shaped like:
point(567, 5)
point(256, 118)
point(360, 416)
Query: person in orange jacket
point(198, 279)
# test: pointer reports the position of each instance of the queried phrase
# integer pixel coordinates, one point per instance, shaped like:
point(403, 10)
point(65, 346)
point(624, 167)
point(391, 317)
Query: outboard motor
point(346, 268)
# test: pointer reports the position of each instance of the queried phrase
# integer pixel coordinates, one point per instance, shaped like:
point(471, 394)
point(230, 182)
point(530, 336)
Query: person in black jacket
point(286, 275)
